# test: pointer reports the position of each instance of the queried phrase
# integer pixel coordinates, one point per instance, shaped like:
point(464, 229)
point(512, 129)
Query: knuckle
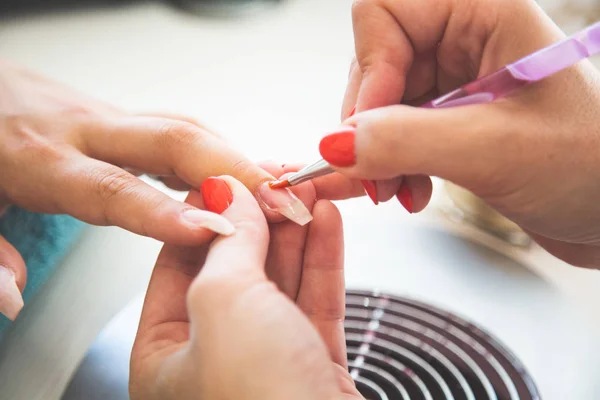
point(248, 173)
point(110, 184)
point(24, 138)
point(175, 136)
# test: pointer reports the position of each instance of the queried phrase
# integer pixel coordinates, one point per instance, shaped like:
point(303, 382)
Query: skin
point(533, 156)
point(238, 318)
point(64, 152)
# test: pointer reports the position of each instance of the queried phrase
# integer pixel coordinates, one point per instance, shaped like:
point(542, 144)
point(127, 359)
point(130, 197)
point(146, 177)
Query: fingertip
point(293, 203)
point(13, 276)
point(415, 192)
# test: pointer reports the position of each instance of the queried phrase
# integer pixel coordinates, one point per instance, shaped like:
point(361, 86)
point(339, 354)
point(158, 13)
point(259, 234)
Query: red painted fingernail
point(217, 195)
point(371, 189)
point(337, 148)
point(352, 112)
point(404, 196)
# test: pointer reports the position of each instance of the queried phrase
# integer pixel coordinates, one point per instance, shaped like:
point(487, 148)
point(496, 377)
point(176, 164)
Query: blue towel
point(43, 240)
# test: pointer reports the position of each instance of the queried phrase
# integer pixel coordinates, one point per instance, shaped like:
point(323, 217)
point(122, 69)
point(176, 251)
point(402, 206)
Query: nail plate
point(216, 194)
point(404, 196)
point(208, 220)
point(11, 300)
point(285, 203)
point(371, 189)
point(337, 148)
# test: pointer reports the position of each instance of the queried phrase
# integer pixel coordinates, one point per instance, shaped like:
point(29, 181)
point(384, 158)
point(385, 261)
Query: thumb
point(458, 144)
point(13, 276)
point(235, 263)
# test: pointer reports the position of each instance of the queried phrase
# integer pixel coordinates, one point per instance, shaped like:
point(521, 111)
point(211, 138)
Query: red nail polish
point(404, 196)
point(371, 189)
point(337, 148)
point(217, 195)
point(352, 112)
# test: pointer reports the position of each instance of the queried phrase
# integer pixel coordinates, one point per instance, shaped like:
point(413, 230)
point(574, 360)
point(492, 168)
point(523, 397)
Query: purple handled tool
point(527, 70)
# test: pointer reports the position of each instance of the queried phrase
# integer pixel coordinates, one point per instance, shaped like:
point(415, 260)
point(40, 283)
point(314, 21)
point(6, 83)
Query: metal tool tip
point(279, 184)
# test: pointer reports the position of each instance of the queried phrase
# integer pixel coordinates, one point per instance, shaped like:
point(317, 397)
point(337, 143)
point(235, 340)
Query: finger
point(170, 147)
point(386, 189)
point(164, 314)
point(13, 276)
point(287, 247)
point(388, 34)
point(102, 194)
point(175, 183)
point(579, 255)
point(354, 81)
point(237, 262)
point(458, 144)
point(418, 188)
point(421, 78)
point(321, 294)
point(178, 117)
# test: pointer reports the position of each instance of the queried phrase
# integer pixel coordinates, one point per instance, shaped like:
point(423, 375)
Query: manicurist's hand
point(533, 156)
point(256, 315)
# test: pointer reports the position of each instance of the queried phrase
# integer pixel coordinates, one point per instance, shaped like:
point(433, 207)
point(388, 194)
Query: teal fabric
point(43, 240)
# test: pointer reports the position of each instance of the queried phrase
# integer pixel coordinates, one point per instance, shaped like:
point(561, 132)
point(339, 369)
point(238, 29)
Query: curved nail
point(404, 196)
point(337, 148)
point(285, 203)
point(11, 300)
point(371, 189)
point(208, 220)
point(216, 194)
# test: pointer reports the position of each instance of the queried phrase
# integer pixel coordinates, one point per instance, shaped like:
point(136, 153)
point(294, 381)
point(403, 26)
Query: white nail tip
point(209, 220)
point(11, 300)
point(296, 212)
point(285, 203)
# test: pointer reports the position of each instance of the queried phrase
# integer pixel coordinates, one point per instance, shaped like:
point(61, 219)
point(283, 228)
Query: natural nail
point(208, 220)
point(216, 194)
point(371, 189)
point(404, 196)
point(285, 203)
point(337, 148)
point(11, 300)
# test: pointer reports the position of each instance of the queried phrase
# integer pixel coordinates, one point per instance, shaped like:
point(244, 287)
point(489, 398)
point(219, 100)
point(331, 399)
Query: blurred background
point(270, 75)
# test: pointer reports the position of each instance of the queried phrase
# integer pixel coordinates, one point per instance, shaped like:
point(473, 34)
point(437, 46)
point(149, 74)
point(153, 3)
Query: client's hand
point(214, 326)
point(63, 152)
point(13, 275)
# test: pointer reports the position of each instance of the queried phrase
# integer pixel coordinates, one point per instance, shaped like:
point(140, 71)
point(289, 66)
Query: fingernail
point(209, 220)
point(371, 189)
point(216, 194)
point(404, 196)
point(285, 203)
point(337, 148)
point(352, 112)
point(11, 300)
